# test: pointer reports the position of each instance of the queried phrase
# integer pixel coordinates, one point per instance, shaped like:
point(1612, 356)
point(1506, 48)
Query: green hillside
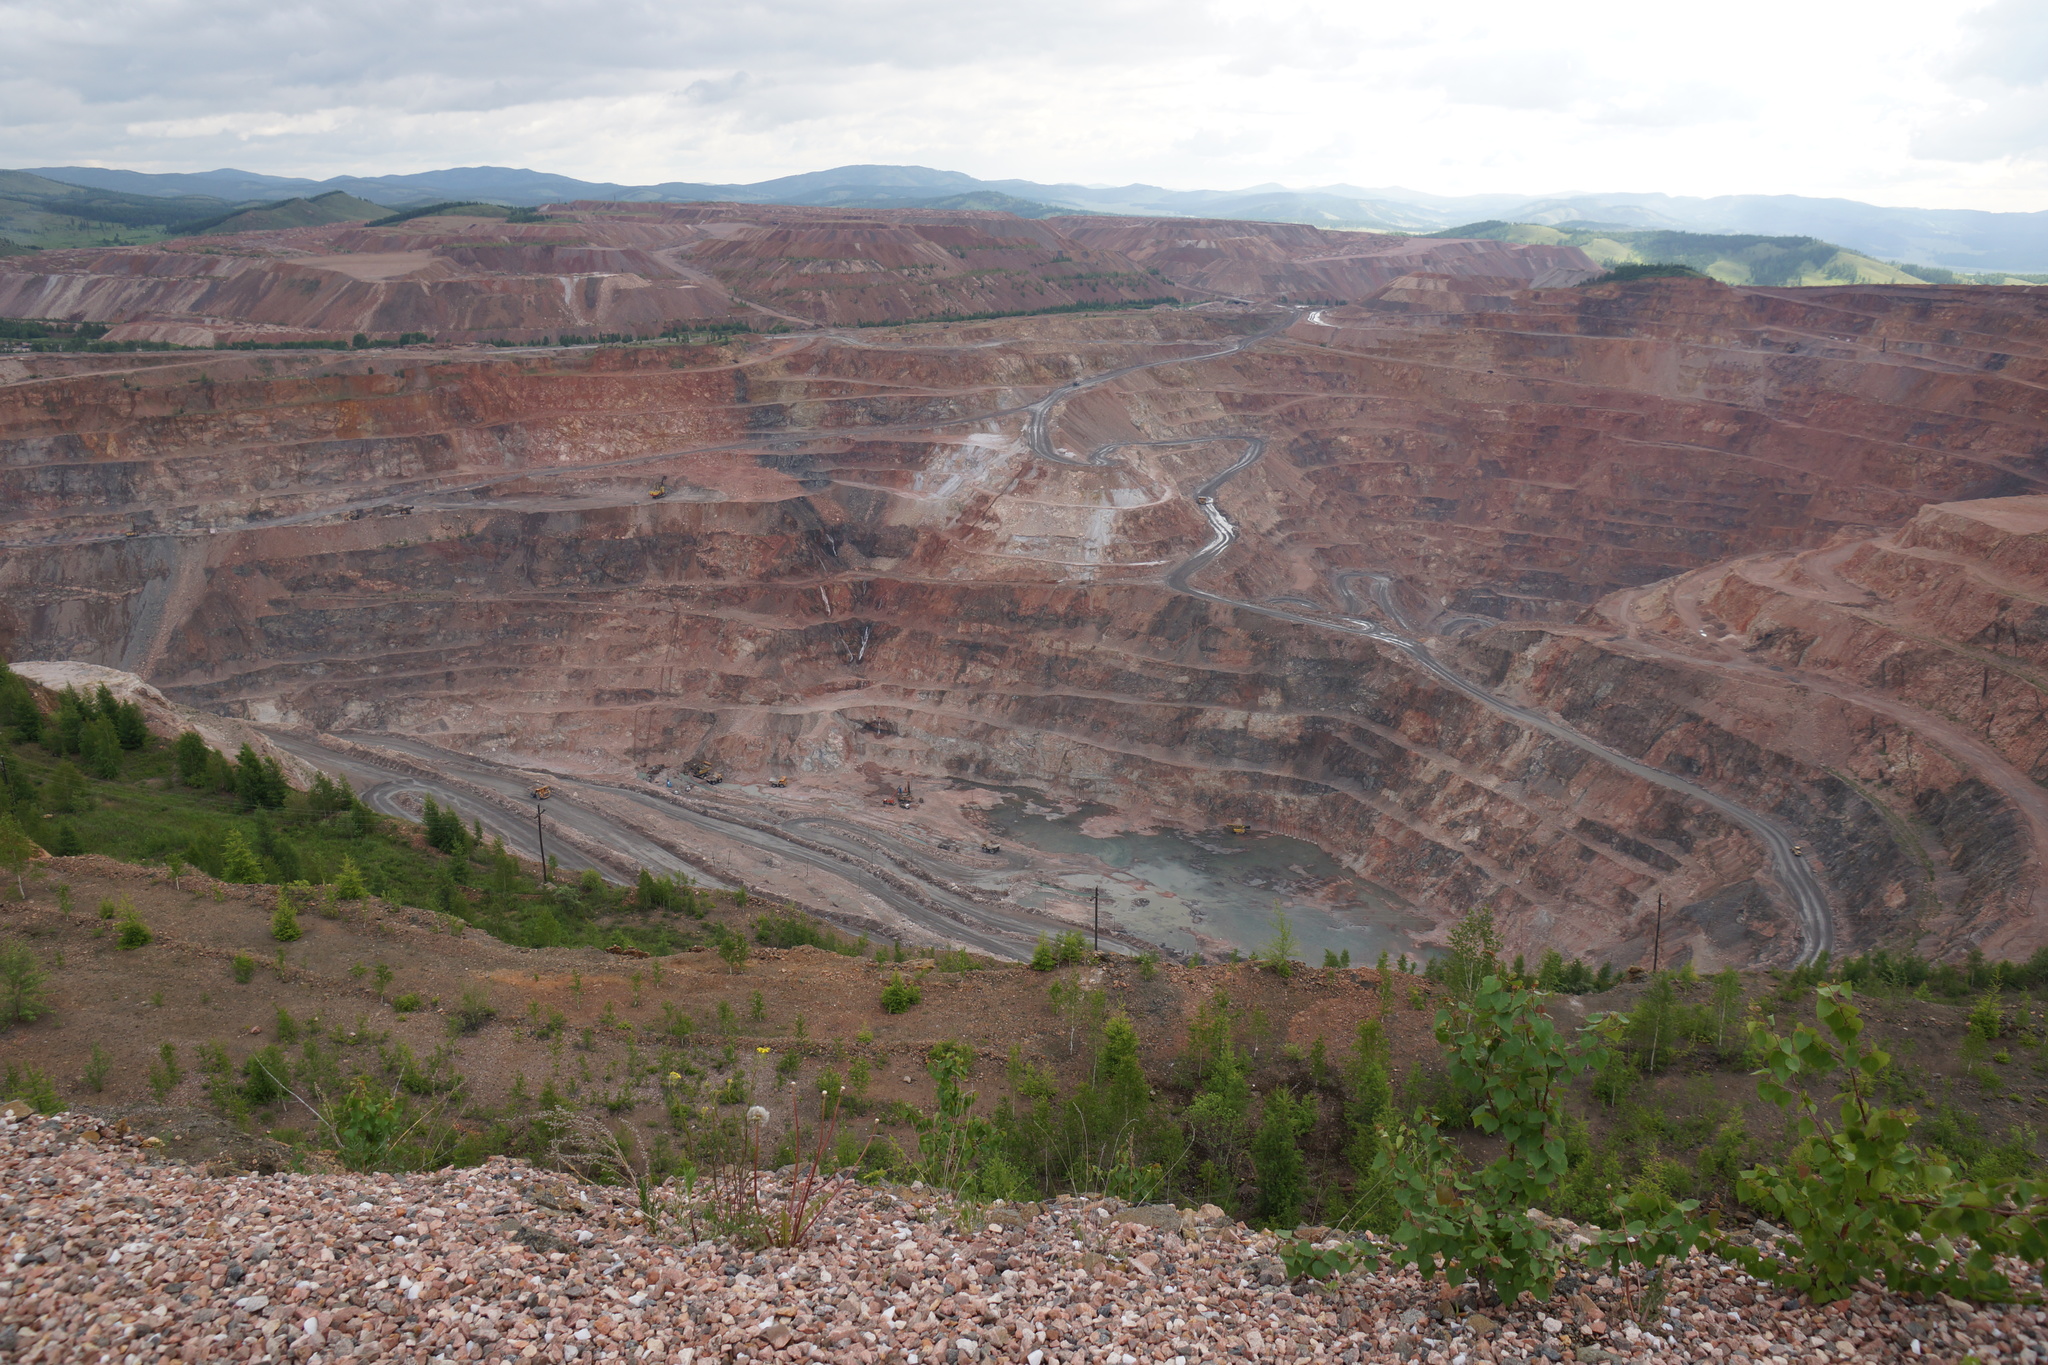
point(35, 212)
point(332, 207)
point(1732, 258)
point(989, 201)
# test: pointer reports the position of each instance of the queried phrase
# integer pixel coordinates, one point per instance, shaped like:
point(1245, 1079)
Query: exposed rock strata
point(858, 563)
point(640, 268)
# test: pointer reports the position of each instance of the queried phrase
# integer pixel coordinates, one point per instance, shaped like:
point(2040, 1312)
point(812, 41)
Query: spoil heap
point(115, 1255)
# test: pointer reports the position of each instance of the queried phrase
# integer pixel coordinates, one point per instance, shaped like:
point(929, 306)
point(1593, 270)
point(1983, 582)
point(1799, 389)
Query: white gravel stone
point(1061, 1286)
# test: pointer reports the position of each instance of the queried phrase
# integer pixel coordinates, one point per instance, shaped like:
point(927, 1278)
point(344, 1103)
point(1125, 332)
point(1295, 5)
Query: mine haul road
point(1794, 877)
point(999, 930)
point(499, 796)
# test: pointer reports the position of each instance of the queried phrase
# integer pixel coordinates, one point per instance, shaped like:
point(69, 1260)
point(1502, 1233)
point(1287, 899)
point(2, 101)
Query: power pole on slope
point(542, 835)
point(1657, 937)
point(1098, 919)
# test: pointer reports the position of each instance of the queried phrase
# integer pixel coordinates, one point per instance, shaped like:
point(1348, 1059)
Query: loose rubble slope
point(115, 1254)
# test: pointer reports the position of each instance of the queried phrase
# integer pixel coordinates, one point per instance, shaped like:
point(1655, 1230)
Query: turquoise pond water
point(1168, 885)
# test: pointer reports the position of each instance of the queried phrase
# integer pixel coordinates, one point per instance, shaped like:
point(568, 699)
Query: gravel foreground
point(112, 1254)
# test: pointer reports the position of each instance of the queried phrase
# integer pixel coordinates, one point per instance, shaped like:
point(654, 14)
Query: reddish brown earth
point(861, 574)
point(1283, 261)
point(639, 268)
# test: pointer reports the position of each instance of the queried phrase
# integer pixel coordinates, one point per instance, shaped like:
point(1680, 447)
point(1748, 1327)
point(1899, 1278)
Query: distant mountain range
point(1959, 239)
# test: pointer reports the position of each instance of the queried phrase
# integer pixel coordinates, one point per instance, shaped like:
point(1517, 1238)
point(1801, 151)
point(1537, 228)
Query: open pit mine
point(1359, 579)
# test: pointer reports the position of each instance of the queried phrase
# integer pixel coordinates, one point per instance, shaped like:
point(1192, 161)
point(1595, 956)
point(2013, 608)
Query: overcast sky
point(1941, 104)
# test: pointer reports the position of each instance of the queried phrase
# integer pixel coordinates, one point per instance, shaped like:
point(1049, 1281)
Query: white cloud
point(1764, 96)
point(2001, 77)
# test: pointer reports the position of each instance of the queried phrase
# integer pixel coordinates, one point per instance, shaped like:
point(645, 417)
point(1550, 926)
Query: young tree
point(238, 861)
point(17, 851)
point(1368, 1094)
point(734, 950)
point(1475, 945)
point(66, 793)
point(188, 755)
point(62, 730)
point(1278, 955)
point(1505, 1054)
point(19, 713)
point(284, 921)
point(99, 749)
point(21, 985)
point(348, 883)
point(1276, 1157)
point(129, 726)
point(17, 788)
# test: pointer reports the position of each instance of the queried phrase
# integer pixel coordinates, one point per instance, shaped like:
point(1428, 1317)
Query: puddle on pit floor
point(1164, 883)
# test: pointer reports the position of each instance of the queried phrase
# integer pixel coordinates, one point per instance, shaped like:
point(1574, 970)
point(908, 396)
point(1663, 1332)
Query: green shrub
point(284, 921)
point(1987, 1019)
point(165, 1075)
point(791, 929)
point(472, 1012)
point(1505, 1055)
point(899, 995)
point(264, 1076)
point(238, 861)
point(33, 1084)
point(1277, 1162)
point(409, 1003)
point(244, 968)
point(1862, 1201)
point(348, 883)
point(676, 1025)
point(22, 999)
point(1278, 955)
point(134, 934)
point(1043, 957)
point(733, 951)
point(98, 1067)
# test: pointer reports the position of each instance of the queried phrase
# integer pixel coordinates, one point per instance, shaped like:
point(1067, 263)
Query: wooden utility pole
point(1098, 919)
point(1657, 937)
point(542, 835)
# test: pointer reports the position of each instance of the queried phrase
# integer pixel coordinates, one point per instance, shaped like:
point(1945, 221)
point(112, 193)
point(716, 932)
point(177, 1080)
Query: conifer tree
point(188, 755)
point(284, 921)
point(238, 861)
point(17, 851)
point(348, 883)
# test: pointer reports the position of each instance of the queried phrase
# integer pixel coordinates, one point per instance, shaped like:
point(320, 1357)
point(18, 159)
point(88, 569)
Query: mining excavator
point(658, 492)
point(988, 847)
point(1238, 827)
point(543, 792)
point(704, 773)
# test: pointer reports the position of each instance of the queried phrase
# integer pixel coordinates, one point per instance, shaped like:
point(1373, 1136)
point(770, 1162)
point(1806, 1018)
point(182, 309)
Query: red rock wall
point(857, 562)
